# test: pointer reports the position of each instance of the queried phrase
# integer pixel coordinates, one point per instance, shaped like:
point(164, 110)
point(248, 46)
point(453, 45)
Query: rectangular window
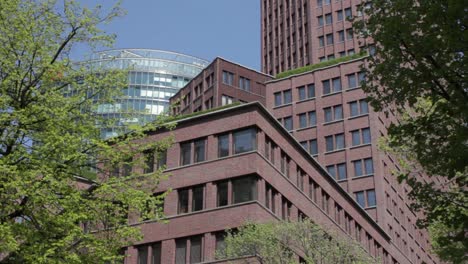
point(312, 118)
point(199, 146)
point(302, 93)
point(336, 84)
point(339, 15)
point(220, 242)
point(244, 140)
point(357, 168)
point(356, 137)
point(186, 153)
point(358, 108)
point(325, 202)
point(360, 199)
point(328, 19)
point(181, 251)
point(223, 145)
point(341, 36)
point(334, 142)
point(288, 123)
point(326, 87)
point(285, 160)
point(149, 161)
point(311, 90)
point(364, 107)
point(244, 83)
point(320, 21)
point(156, 256)
point(222, 193)
point(368, 166)
point(331, 170)
point(371, 198)
point(278, 99)
point(349, 33)
point(352, 81)
point(313, 148)
point(225, 100)
point(361, 77)
point(303, 120)
point(244, 189)
point(197, 198)
point(313, 190)
point(341, 168)
point(196, 249)
point(228, 78)
point(321, 41)
point(329, 39)
point(348, 13)
point(143, 255)
point(287, 97)
point(328, 114)
point(183, 201)
point(338, 112)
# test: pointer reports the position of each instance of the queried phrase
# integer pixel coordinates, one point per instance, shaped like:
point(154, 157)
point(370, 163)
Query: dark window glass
point(328, 114)
point(287, 97)
point(357, 168)
point(313, 147)
point(312, 118)
point(311, 90)
point(329, 39)
point(143, 255)
point(326, 87)
point(336, 84)
point(338, 112)
point(356, 137)
point(196, 249)
point(162, 159)
point(197, 198)
point(304, 144)
point(341, 171)
point(340, 141)
point(278, 99)
point(354, 108)
point(186, 153)
point(199, 150)
point(369, 166)
point(329, 143)
point(328, 19)
point(302, 93)
point(288, 124)
point(339, 15)
point(302, 120)
point(149, 161)
point(321, 41)
point(352, 81)
point(244, 140)
point(222, 195)
point(361, 199)
point(320, 21)
point(349, 33)
point(156, 257)
point(341, 36)
point(371, 198)
point(361, 78)
point(223, 145)
point(220, 243)
point(183, 201)
point(244, 189)
point(366, 136)
point(331, 170)
point(181, 251)
point(364, 107)
point(348, 13)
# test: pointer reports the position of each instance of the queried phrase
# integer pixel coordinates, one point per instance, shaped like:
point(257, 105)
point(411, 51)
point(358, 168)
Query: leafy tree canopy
point(282, 242)
point(49, 212)
point(420, 71)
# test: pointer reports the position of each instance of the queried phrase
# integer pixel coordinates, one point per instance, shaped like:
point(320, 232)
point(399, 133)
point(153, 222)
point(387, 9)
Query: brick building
point(241, 164)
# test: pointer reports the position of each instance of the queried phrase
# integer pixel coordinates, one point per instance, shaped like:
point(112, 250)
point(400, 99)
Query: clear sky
point(202, 28)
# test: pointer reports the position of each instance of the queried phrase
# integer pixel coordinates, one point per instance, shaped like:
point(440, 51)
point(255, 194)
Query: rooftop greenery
point(320, 65)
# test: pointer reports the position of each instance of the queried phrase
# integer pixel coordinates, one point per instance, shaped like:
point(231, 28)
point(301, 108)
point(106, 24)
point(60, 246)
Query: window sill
point(305, 128)
point(362, 176)
point(342, 180)
point(357, 116)
point(334, 151)
point(353, 88)
point(330, 94)
point(361, 145)
point(283, 105)
point(332, 122)
point(305, 100)
point(371, 207)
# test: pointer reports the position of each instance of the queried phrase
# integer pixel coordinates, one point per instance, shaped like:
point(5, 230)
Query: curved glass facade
point(154, 77)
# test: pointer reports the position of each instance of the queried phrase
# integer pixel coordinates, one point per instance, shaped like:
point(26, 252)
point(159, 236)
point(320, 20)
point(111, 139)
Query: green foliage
point(47, 139)
point(320, 65)
point(281, 242)
point(419, 70)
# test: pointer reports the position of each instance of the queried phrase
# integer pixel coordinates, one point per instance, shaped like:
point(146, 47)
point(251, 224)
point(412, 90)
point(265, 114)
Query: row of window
point(328, 18)
point(361, 167)
point(244, 83)
point(329, 39)
point(329, 86)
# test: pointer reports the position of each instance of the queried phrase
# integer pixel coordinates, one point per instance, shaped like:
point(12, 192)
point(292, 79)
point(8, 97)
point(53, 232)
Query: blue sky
point(202, 28)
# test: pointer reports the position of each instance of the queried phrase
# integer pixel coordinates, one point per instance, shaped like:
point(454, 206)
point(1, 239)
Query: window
point(341, 36)
point(313, 190)
point(285, 209)
point(302, 93)
point(348, 13)
point(228, 78)
point(321, 41)
point(352, 81)
point(220, 245)
point(326, 87)
point(366, 198)
point(320, 21)
point(199, 150)
point(244, 83)
point(360, 170)
point(311, 90)
point(196, 249)
point(278, 100)
point(244, 140)
point(335, 142)
point(328, 19)
point(284, 97)
point(197, 199)
point(303, 120)
point(336, 84)
point(325, 202)
point(337, 171)
point(270, 147)
point(329, 39)
point(310, 146)
point(222, 194)
point(244, 189)
point(300, 179)
point(156, 256)
point(361, 136)
point(287, 123)
point(225, 100)
point(333, 113)
point(285, 160)
point(195, 254)
point(339, 15)
point(223, 145)
point(319, 3)
point(308, 119)
point(349, 33)
point(185, 153)
point(142, 255)
point(358, 108)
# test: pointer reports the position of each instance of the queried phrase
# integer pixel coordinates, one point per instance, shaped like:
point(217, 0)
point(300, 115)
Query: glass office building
point(154, 77)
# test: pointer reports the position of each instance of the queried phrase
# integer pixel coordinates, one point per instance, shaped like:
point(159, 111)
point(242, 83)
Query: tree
point(51, 212)
point(419, 71)
point(282, 242)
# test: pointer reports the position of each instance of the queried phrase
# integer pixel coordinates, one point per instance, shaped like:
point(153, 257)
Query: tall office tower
point(296, 33)
point(326, 111)
point(154, 76)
